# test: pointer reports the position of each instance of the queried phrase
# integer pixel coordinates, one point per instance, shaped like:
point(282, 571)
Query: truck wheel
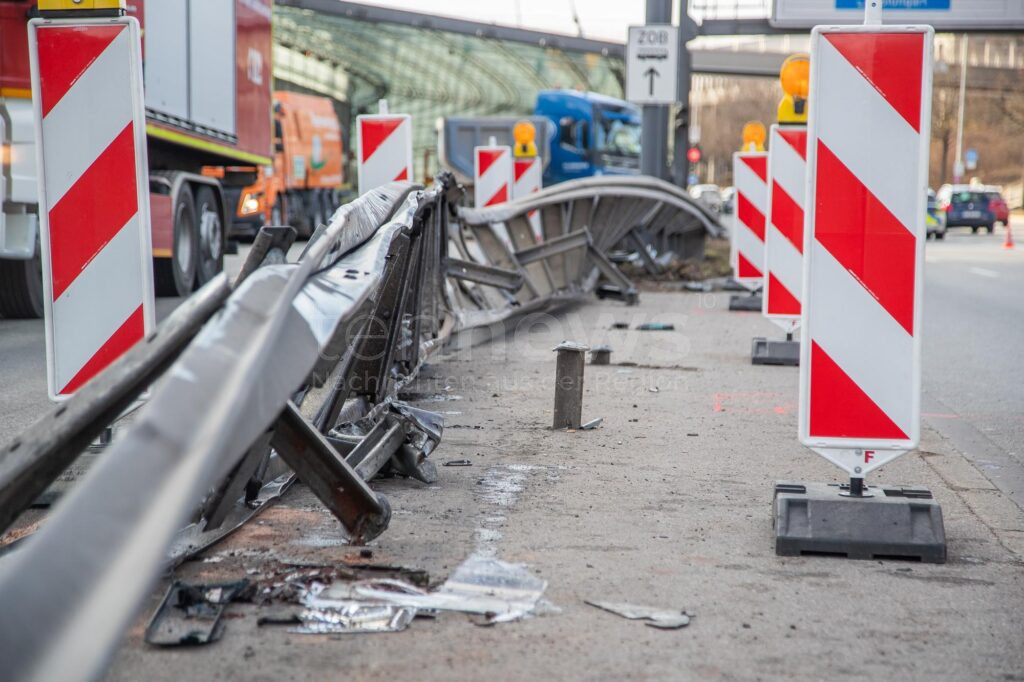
point(298, 216)
point(990, 228)
point(174, 276)
point(211, 236)
point(974, 229)
point(316, 210)
point(329, 206)
point(21, 288)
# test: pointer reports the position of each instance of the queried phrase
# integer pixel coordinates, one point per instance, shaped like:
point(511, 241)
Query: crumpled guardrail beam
point(335, 335)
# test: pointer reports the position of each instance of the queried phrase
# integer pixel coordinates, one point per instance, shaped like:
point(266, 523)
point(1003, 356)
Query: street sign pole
point(654, 130)
point(684, 67)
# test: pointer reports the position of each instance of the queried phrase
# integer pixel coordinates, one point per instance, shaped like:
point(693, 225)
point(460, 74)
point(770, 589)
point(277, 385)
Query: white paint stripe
point(750, 246)
point(95, 305)
point(784, 261)
point(864, 132)
point(788, 169)
point(750, 185)
point(864, 339)
point(984, 272)
point(388, 160)
point(89, 116)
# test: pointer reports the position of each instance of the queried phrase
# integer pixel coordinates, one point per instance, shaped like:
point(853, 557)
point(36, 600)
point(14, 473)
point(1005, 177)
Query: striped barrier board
point(527, 179)
point(784, 233)
point(93, 194)
point(384, 149)
point(867, 166)
point(750, 176)
point(492, 175)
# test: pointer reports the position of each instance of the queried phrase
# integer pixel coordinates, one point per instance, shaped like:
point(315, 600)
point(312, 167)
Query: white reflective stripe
point(388, 160)
point(750, 246)
point(788, 169)
point(865, 136)
point(528, 182)
point(87, 119)
point(783, 260)
point(750, 185)
point(498, 174)
point(97, 302)
point(864, 340)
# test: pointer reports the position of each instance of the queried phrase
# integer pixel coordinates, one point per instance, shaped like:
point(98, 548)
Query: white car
point(710, 196)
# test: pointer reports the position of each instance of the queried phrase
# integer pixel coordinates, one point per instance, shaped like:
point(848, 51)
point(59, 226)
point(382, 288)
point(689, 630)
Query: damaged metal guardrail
point(293, 372)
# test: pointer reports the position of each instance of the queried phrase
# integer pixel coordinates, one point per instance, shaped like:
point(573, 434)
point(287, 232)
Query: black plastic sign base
point(888, 522)
point(749, 303)
point(768, 352)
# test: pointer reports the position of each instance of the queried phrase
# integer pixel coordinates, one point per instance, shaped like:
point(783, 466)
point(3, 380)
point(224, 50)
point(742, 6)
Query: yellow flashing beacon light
point(795, 77)
point(524, 134)
point(754, 135)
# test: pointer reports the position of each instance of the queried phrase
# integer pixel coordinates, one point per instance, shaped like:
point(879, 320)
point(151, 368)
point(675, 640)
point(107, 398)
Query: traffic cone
point(1008, 243)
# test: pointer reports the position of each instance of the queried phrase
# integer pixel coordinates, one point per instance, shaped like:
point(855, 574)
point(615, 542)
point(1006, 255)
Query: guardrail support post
point(569, 385)
point(364, 513)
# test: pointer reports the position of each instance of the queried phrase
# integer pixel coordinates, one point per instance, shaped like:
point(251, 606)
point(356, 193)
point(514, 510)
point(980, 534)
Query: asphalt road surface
point(973, 331)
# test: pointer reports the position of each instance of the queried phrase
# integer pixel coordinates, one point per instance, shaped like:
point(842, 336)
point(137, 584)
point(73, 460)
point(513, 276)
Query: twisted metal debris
point(293, 371)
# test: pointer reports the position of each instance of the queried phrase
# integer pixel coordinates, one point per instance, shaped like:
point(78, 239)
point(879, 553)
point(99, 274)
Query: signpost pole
point(654, 130)
point(680, 164)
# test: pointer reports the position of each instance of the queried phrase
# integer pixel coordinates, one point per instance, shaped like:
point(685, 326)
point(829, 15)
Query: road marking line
point(984, 272)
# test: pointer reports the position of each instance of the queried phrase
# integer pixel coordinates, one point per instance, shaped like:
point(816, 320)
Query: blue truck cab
point(591, 134)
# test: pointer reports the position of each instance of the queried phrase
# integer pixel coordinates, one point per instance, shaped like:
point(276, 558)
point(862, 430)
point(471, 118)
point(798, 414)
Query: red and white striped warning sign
point(492, 175)
point(385, 149)
point(93, 194)
point(527, 179)
point(784, 236)
point(867, 162)
point(750, 176)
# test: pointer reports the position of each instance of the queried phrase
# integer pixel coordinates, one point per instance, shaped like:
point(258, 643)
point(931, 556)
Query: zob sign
point(651, 56)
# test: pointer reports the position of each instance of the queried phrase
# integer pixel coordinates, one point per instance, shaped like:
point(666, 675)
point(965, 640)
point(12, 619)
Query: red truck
point(207, 78)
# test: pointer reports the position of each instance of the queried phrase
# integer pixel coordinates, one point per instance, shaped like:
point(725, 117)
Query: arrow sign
point(651, 74)
point(651, 64)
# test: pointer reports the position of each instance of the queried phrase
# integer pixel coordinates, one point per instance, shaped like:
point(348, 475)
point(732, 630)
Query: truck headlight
point(250, 204)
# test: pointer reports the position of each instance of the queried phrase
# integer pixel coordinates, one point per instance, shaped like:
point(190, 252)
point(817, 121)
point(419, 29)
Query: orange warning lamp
point(795, 78)
point(524, 134)
point(754, 135)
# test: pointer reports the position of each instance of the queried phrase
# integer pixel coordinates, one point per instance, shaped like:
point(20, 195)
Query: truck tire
point(211, 235)
point(329, 205)
point(298, 215)
point(175, 276)
point(315, 209)
point(990, 228)
point(21, 288)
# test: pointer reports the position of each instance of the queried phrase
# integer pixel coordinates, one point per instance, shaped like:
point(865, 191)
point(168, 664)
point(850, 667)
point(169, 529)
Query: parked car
point(935, 218)
point(966, 206)
point(728, 199)
point(710, 196)
point(998, 205)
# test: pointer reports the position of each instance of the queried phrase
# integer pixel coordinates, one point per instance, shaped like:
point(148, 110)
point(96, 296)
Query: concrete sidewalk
point(668, 504)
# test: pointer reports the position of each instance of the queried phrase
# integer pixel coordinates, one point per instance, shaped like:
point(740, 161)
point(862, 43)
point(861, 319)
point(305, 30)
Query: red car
point(997, 204)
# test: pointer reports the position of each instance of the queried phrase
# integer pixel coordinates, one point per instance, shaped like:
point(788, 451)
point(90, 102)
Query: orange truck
point(302, 186)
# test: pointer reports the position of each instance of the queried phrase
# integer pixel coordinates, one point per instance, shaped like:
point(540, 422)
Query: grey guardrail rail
point(293, 372)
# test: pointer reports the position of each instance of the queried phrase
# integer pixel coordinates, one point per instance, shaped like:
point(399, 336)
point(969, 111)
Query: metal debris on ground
point(665, 619)
point(592, 424)
point(458, 463)
point(354, 618)
point(656, 327)
point(498, 590)
point(191, 614)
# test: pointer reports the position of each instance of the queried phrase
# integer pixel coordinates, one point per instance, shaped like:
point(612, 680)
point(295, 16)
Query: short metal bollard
point(569, 385)
point(602, 355)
